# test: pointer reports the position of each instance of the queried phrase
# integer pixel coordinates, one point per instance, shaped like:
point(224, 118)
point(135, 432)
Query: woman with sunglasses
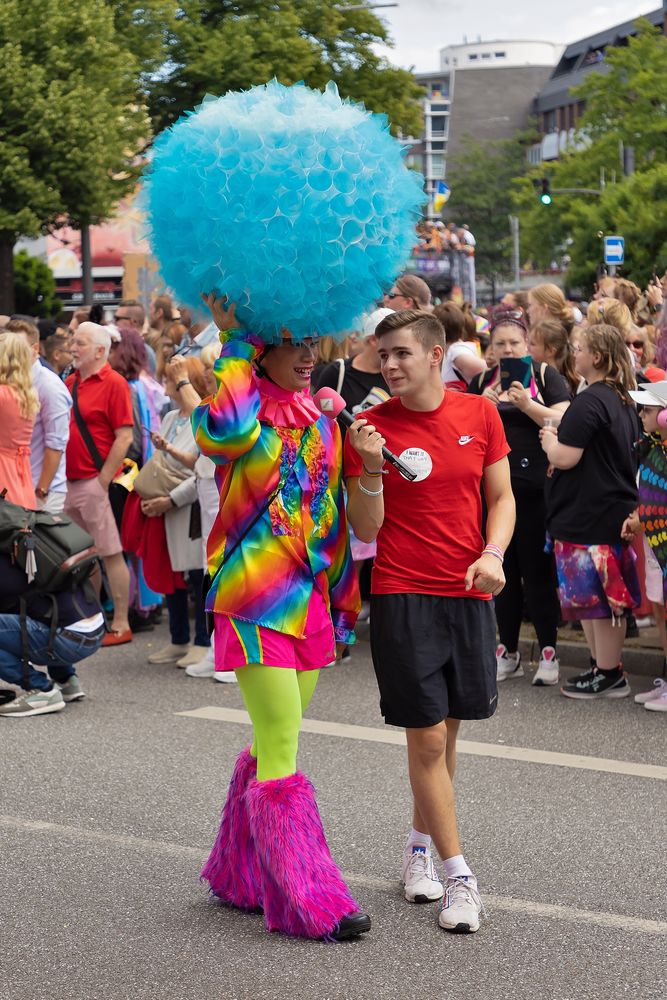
point(525, 407)
point(284, 593)
point(408, 292)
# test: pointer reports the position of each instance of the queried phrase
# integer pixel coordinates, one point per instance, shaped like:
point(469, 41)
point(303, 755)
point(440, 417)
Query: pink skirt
point(238, 643)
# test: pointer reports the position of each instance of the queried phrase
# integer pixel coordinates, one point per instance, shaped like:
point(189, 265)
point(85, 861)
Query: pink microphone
point(332, 405)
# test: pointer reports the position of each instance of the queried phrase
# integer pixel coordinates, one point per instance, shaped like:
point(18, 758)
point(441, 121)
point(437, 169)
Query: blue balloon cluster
point(295, 204)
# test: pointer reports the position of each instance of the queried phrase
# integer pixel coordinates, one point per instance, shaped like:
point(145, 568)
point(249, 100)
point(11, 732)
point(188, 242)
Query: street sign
point(614, 249)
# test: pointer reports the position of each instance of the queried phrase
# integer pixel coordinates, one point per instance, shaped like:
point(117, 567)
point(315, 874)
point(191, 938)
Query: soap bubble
point(296, 204)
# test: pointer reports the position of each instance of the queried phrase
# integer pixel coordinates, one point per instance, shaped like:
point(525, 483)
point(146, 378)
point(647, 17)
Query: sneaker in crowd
point(194, 654)
point(658, 704)
point(659, 688)
point(647, 621)
point(205, 667)
point(72, 690)
point(548, 669)
point(507, 664)
point(346, 655)
point(168, 654)
point(34, 702)
point(597, 683)
point(420, 878)
point(631, 630)
point(462, 906)
point(225, 677)
point(365, 613)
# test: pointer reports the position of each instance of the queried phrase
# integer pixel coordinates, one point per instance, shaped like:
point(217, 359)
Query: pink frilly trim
point(282, 408)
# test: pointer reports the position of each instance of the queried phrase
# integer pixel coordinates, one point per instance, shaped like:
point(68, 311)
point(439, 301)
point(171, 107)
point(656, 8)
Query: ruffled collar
point(282, 408)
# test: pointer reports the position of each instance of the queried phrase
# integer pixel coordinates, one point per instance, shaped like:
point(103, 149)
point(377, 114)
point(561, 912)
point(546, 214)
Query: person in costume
point(283, 594)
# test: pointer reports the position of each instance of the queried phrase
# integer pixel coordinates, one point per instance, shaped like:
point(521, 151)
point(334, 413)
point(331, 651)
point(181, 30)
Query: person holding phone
point(528, 397)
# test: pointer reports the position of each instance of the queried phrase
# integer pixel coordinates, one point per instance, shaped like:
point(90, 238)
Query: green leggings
point(276, 699)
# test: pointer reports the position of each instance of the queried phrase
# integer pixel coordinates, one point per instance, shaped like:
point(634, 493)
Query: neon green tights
point(276, 699)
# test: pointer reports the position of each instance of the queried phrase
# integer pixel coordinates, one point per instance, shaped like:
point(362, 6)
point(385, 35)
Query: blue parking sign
point(614, 249)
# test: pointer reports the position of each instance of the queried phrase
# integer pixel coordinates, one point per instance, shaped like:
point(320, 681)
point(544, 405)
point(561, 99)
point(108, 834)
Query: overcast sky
point(421, 27)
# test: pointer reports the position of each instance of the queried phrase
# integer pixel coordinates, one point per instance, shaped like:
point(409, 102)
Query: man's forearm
point(49, 468)
point(500, 520)
point(115, 457)
point(365, 513)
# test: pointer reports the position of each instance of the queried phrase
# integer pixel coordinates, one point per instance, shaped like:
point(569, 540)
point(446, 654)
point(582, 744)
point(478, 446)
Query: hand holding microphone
point(332, 405)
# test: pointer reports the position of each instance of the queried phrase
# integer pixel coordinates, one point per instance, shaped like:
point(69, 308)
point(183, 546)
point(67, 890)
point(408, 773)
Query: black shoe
point(597, 684)
point(155, 616)
point(346, 655)
point(631, 630)
point(352, 926)
point(139, 623)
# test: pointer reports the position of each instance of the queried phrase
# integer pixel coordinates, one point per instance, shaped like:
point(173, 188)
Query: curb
point(645, 662)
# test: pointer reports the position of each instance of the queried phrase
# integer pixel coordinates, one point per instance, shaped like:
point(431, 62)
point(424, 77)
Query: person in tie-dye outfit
point(283, 594)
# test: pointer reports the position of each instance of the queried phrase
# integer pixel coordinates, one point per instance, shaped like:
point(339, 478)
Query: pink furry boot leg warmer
point(303, 890)
point(232, 869)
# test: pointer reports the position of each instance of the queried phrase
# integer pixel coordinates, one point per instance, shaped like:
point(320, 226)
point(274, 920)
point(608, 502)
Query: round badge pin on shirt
point(419, 461)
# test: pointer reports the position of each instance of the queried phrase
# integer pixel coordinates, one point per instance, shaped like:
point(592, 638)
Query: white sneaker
point(461, 906)
point(225, 677)
point(506, 665)
point(34, 702)
point(365, 613)
point(659, 688)
point(194, 654)
point(205, 668)
point(658, 704)
point(549, 668)
point(168, 654)
point(420, 878)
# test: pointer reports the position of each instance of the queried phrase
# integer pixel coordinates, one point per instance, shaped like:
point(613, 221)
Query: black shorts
point(434, 658)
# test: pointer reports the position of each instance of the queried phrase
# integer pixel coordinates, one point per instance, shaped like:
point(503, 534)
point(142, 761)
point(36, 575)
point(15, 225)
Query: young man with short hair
point(432, 621)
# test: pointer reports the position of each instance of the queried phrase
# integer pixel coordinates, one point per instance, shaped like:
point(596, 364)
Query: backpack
point(55, 554)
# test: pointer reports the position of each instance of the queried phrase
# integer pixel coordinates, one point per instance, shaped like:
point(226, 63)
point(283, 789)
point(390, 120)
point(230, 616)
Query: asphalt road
point(108, 809)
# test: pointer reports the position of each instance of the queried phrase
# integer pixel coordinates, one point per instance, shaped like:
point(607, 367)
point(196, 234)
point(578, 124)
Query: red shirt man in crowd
point(432, 621)
point(103, 399)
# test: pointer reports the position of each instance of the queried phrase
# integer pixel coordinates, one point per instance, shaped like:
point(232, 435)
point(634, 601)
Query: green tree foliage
point(34, 287)
point(226, 45)
point(626, 102)
point(70, 120)
point(481, 182)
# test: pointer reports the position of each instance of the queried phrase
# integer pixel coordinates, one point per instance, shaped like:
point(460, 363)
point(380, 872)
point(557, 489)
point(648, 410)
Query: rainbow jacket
point(253, 430)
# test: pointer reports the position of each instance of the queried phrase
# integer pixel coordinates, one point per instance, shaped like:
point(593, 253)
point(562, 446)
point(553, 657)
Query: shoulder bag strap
point(83, 430)
point(341, 374)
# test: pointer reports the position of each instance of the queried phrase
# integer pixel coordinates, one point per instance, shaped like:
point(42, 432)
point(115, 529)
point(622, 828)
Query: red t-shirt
point(432, 527)
point(105, 403)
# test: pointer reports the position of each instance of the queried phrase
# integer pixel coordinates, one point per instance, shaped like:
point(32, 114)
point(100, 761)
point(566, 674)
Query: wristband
point(491, 549)
point(371, 493)
point(184, 381)
point(382, 472)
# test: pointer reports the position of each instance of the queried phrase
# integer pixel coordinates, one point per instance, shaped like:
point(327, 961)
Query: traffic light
point(545, 196)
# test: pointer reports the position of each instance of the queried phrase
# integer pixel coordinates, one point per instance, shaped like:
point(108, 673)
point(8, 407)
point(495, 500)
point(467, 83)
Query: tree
point(481, 179)
point(235, 44)
point(34, 287)
point(625, 102)
point(70, 124)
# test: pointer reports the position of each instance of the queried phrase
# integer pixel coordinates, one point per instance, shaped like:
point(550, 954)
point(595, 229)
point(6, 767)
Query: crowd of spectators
point(96, 415)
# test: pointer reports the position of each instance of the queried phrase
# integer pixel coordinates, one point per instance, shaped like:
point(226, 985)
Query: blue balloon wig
point(293, 203)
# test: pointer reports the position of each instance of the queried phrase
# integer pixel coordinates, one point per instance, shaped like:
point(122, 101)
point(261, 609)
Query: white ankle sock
point(417, 839)
point(456, 867)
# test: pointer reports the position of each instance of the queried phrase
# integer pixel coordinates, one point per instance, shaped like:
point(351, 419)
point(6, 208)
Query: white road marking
point(197, 855)
point(397, 738)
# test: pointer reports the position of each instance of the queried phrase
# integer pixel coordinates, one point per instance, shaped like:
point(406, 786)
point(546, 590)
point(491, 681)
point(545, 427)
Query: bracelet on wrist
point(490, 549)
point(380, 472)
point(184, 381)
point(371, 493)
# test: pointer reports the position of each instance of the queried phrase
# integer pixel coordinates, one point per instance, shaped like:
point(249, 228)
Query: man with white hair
point(100, 435)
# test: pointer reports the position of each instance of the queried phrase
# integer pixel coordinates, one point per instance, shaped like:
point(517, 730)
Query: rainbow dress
point(253, 430)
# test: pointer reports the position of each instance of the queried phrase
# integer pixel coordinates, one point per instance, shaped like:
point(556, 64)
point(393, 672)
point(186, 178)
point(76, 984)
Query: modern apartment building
point(485, 89)
point(555, 108)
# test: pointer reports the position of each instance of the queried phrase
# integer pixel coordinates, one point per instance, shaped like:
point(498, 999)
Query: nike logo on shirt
point(466, 438)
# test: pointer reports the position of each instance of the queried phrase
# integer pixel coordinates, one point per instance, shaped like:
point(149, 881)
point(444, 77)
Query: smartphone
point(515, 370)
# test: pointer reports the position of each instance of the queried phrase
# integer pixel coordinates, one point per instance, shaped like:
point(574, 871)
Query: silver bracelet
point(371, 493)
